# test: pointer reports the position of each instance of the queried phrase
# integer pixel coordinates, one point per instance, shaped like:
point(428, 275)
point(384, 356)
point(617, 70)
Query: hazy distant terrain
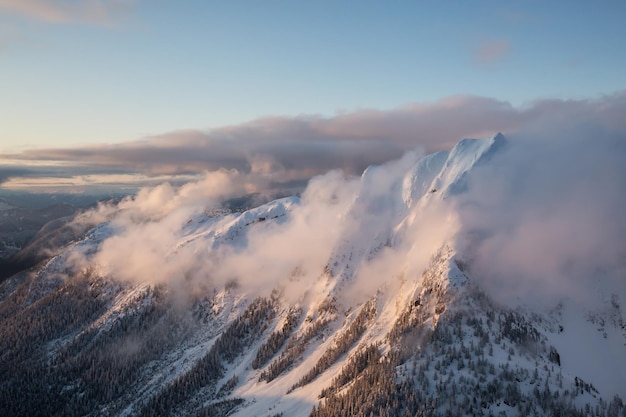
point(26, 216)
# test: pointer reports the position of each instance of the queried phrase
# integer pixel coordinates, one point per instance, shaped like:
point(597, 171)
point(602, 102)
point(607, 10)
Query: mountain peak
point(354, 300)
point(498, 137)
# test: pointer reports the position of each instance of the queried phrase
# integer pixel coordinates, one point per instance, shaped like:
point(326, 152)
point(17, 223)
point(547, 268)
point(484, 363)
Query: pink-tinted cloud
point(491, 52)
point(101, 12)
point(292, 150)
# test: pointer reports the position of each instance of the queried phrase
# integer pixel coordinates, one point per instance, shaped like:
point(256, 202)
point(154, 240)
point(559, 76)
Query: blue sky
point(73, 74)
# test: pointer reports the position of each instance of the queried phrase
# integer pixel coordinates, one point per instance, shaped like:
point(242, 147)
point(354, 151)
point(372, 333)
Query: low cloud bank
point(291, 150)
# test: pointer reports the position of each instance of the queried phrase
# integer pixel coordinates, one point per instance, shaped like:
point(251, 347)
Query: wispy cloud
point(100, 12)
point(289, 151)
point(491, 52)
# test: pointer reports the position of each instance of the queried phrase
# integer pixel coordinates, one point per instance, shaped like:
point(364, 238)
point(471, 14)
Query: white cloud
point(545, 219)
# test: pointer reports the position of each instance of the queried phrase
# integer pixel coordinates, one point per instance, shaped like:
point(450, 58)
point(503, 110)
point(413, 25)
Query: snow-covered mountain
point(360, 297)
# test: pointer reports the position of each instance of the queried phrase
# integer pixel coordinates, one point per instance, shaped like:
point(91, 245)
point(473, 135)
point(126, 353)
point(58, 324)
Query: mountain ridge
point(354, 298)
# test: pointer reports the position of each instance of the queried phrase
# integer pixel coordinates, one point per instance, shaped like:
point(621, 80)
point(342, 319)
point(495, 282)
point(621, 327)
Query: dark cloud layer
point(292, 149)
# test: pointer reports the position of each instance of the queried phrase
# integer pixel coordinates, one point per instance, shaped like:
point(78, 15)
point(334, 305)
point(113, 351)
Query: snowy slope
point(265, 310)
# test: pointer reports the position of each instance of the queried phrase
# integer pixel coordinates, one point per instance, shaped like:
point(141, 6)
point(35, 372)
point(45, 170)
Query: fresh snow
point(592, 350)
point(591, 347)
